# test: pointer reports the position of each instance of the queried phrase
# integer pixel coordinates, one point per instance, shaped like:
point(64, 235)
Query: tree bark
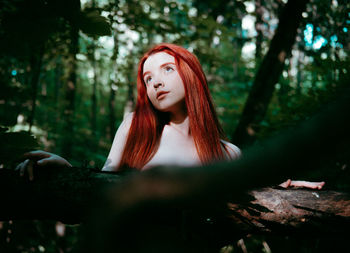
point(269, 72)
point(259, 24)
point(298, 211)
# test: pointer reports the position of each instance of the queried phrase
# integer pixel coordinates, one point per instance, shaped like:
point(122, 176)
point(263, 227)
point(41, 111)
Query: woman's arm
point(306, 184)
point(115, 154)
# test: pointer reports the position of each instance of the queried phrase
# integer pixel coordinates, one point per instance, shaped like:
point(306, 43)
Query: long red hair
point(148, 123)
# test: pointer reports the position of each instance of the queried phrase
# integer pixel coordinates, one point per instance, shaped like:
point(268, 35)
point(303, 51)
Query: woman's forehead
point(156, 60)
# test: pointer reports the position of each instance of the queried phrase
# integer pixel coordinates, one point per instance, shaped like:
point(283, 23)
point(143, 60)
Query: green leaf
point(93, 24)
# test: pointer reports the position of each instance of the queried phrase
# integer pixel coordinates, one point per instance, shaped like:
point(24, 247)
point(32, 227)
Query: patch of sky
point(107, 42)
point(248, 50)
point(308, 34)
point(248, 26)
point(249, 6)
point(319, 42)
point(14, 72)
point(311, 41)
point(345, 29)
point(334, 40)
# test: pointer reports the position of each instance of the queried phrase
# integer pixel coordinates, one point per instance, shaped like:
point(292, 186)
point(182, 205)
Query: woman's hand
point(41, 158)
point(306, 184)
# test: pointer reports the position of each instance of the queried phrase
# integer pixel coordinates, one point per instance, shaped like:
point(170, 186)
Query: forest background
point(68, 70)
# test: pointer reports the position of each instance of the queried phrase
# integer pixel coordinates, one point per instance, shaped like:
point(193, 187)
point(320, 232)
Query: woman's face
point(164, 85)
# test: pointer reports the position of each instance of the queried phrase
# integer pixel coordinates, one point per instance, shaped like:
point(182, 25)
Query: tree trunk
point(94, 95)
point(113, 86)
point(35, 67)
point(300, 77)
point(94, 88)
point(269, 72)
point(259, 10)
point(130, 102)
point(70, 88)
point(111, 105)
point(58, 84)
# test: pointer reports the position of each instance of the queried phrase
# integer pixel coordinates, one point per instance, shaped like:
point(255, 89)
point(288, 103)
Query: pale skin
point(166, 92)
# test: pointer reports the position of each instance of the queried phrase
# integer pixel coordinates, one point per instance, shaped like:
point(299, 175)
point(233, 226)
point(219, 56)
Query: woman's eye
point(148, 79)
point(168, 69)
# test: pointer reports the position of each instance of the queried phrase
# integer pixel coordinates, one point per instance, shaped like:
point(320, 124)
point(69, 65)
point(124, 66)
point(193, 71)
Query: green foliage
point(14, 144)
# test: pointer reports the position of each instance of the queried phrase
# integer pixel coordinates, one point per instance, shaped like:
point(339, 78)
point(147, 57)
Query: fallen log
point(293, 211)
point(67, 194)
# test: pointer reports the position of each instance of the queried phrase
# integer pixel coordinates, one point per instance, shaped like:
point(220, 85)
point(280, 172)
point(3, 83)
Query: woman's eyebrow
point(146, 73)
point(161, 66)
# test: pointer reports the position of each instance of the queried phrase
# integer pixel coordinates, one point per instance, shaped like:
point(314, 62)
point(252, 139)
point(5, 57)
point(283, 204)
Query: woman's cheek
point(152, 97)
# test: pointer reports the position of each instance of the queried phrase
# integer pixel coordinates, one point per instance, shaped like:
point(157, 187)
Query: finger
point(45, 161)
point(320, 185)
point(18, 167)
point(286, 184)
point(23, 167)
point(55, 161)
point(36, 154)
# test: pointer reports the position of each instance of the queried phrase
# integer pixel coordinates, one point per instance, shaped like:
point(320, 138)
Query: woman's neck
point(180, 122)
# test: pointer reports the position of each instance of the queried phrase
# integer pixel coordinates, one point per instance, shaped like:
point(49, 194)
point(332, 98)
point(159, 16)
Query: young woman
point(174, 122)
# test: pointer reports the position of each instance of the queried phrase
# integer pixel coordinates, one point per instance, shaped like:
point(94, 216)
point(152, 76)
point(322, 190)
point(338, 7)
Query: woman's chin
point(166, 105)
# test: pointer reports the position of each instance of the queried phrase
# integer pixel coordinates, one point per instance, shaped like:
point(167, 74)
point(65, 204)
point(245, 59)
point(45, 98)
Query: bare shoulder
point(232, 150)
point(126, 123)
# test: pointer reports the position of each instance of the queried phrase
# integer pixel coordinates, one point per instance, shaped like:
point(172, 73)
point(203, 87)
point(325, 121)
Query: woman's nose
point(158, 83)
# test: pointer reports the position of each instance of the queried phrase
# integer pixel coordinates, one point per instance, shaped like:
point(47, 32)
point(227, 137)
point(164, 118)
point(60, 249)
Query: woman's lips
point(161, 94)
